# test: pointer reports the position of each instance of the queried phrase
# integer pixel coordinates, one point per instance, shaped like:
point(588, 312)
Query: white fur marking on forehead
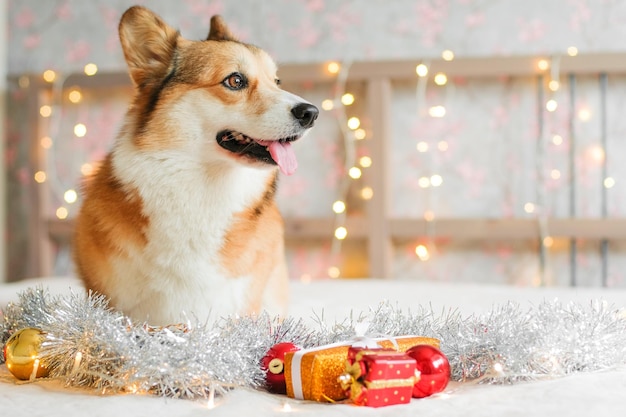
point(268, 61)
point(247, 60)
point(253, 61)
point(262, 63)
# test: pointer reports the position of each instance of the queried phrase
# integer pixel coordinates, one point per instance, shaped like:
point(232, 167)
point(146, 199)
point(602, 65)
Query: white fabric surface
point(585, 394)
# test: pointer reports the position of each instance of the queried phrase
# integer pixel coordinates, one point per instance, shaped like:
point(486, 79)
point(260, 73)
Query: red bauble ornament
point(434, 370)
point(273, 364)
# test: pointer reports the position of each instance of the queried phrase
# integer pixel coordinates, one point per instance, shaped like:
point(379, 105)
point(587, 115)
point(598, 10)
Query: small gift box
point(313, 374)
point(378, 377)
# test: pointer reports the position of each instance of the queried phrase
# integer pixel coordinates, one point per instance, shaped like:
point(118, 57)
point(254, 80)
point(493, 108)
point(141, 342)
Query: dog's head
point(219, 98)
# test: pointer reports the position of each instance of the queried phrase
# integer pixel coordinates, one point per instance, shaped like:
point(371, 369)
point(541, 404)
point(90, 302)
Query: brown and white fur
point(180, 223)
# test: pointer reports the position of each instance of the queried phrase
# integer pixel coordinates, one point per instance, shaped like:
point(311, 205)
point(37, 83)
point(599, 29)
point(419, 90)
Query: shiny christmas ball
point(21, 354)
point(434, 370)
point(273, 364)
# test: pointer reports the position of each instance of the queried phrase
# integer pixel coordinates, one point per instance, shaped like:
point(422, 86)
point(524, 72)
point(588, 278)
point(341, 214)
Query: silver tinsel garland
point(89, 345)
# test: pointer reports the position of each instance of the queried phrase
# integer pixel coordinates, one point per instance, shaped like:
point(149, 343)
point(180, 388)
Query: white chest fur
point(189, 207)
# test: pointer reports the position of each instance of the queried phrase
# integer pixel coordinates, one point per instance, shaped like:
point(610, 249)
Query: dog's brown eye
point(235, 81)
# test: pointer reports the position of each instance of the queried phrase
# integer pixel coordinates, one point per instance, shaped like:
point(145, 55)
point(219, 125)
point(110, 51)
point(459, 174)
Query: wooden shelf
point(508, 229)
point(295, 228)
point(472, 67)
point(402, 230)
point(475, 67)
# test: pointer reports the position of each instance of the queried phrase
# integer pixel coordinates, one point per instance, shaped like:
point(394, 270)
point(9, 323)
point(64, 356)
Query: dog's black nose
point(306, 114)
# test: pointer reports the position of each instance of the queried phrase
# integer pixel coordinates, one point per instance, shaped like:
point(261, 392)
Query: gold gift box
point(321, 367)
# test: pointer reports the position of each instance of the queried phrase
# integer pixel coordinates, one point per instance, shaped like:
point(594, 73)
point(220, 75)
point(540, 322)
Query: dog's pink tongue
point(283, 155)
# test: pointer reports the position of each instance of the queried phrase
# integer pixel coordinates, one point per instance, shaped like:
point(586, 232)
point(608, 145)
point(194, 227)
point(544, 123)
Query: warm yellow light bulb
point(555, 174)
point(572, 51)
point(91, 69)
point(341, 233)
point(328, 105)
point(609, 182)
point(437, 111)
point(333, 67)
point(543, 65)
point(40, 177)
point(360, 134)
point(80, 130)
point(442, 146)
point(436, 180)
point(551, 105)
point(354, 123)
point(365, 161)
point(529, 208)
point(46, 142)
point(548, 241)
point(339, 206)
point(86, 169)
point(49, 76)
point(447, 55)
point(367, 193)
point(334, 272)
point(45, 111)
point(70, 196)
point(355, 173)
point(422, 147)
point(421, 70)
point(554, 85)
point(584, 114)
point(75, 96)
point(441, 79)
point(62, 213)
point(424, 182)
point(597, 154)
point(347, 99)
point(422, 252)
point(557, 139)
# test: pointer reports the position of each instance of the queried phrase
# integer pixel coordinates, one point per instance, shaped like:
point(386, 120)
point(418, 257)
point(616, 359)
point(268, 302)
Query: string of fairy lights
point(51, 109)
point(550, 82)
point(353, 133)
point(352, 136)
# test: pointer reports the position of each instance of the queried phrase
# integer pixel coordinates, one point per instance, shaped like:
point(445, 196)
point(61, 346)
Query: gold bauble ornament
point(21, 354)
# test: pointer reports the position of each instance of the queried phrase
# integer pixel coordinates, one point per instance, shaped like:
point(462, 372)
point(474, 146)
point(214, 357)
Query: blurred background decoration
point(460, 140)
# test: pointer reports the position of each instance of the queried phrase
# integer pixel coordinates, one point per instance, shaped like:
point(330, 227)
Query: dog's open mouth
point(277, 152)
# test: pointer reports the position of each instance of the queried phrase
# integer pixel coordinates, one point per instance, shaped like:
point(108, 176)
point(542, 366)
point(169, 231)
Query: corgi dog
point(180, 222)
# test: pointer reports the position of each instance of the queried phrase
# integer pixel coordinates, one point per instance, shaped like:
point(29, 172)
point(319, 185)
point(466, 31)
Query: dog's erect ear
point(149, 45)
point(219, 31)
